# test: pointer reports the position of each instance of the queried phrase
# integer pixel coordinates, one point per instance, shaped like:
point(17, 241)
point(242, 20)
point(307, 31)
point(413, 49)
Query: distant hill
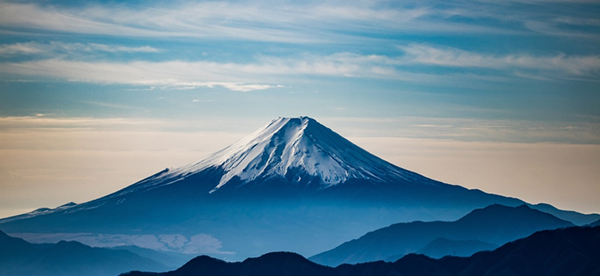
point(573, 251)
point(441, 247)
point(18, 257)
point(170, 259)
point(278, 263)
point(495, 224)
point(567, 251)
point(572, 216)
point(597, 223)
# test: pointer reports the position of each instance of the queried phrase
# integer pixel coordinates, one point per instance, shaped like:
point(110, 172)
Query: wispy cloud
point(36, 17)
point(244, 77)
point(93, 47)
point(282, 22)
point(41, 121)
point(261, 73)
point(53, 47)
point(298, 22)
point(47, 122)
point(451, 128)
point(241, 87)
point(450, 57)
point(551, 28)
point(20, 49)
point(562, 18)
point(470, 129)
point(197, 244)
point(175, 74)
point(111, 105)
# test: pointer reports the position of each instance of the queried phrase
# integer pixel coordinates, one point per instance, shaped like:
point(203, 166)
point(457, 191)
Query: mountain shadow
point(495, 224)
point(573, 251)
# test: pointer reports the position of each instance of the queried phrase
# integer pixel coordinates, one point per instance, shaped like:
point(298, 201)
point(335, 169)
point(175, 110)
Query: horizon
point(501, 97)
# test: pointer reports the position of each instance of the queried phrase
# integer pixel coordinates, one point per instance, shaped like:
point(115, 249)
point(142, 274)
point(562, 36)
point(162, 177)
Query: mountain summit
point(253, 197)
point(300, 150)
point(297, 151)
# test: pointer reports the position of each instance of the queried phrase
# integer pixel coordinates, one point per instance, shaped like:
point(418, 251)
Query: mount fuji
point(293, 185)
point(291, 153)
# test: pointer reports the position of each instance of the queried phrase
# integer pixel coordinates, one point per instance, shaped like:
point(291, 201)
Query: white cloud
point(578, 21)
point(54, 124)
point(551, 28)
point(50, 123)
point(20, 49)
point(450, 57)
point(233, 76)
point(548, 17)
point(464, 129)
point(291, 22)
point(178, 74)
point(241, 87)
point(204, 244)
point(261, 21)
point(197, 244)
point(32, 16)
point(30, 48)
point(261, 74)
point(190, 74)
point(94, 47)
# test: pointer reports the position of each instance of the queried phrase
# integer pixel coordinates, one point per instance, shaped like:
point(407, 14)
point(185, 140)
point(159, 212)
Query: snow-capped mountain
point(291, 147)
point(293, 185)
point(297, 150)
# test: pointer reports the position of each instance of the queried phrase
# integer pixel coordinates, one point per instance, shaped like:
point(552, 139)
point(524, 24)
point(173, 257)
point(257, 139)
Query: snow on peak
point(295, 145)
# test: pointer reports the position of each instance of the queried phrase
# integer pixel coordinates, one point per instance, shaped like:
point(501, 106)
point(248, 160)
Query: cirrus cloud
point(53, 47)
point(261, 73)
point(450, 57)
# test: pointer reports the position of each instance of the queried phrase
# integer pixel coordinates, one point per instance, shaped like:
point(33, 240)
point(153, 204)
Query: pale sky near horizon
point(502, 96)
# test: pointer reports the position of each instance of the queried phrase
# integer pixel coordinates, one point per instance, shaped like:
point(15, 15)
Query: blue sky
point(496, 76)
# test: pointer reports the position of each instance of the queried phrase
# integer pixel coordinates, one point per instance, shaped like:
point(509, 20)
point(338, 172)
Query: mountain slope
point(571, 251)
point(253, 196)
point(441, 247)
point(568, 251)
point(278, 263)
point(170, 259)
point(495, 224)
point(298, 150)
point(18, 257)
point(572, 216)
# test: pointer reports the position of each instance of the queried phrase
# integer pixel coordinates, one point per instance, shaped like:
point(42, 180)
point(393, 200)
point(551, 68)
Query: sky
point(502, 96)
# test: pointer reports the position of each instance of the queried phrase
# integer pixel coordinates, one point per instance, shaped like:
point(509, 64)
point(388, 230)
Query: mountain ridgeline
point(293, 185)
point(573, 251)
point(18, 257)
point(489, 226)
